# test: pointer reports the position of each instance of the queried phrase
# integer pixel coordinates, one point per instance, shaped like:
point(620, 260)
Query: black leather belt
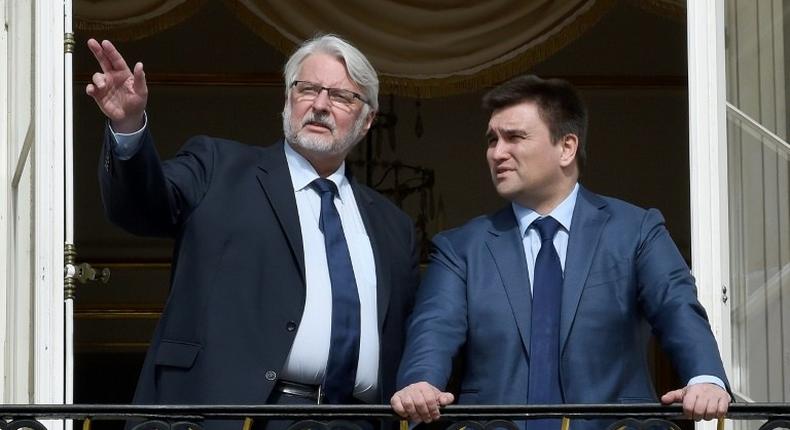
point(312, 392)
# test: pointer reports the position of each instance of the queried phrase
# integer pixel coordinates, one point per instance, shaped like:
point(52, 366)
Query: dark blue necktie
point(341, 367)
point(544, 344)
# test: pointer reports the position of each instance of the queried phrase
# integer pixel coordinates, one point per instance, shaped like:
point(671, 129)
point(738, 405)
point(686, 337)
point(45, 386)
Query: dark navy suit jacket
point(623, 276)
point(238, 284)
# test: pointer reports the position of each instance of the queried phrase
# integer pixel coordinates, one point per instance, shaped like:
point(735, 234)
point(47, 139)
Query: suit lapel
point(507, 249)
point(373, 229)
point(586, 228)
point(275, 180)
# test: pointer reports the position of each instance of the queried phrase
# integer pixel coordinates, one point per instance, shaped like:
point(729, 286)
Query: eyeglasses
point(309, 91)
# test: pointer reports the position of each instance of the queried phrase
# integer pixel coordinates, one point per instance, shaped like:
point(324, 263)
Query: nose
point(321, 101)
point(497, 150)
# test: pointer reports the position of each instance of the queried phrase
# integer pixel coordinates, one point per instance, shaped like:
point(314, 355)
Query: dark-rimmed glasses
point(309, 91)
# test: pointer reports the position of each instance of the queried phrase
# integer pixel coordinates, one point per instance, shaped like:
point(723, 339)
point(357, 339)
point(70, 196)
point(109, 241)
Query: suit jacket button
point(271, 375)
point(291, 326)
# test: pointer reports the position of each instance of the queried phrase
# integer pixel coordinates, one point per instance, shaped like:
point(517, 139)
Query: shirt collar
point(303, 173)
point(563, 213)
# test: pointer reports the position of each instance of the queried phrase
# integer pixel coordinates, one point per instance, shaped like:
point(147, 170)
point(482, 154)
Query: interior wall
point(630, 68)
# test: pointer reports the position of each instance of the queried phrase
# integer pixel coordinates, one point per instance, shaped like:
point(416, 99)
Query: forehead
point(523, 115)
point(326, 70)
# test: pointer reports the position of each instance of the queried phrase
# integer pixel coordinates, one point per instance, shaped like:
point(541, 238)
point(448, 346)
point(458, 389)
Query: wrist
point(128, 125)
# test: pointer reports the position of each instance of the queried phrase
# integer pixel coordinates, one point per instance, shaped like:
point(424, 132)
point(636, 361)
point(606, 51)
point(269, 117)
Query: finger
point(408, 406)
point(723, 404)
point(689, 403)
point(446, 399)
point(96, 93)
point(712, 409)
point(99, 80)
point(98, 53)
point(114, 57)
point(397, 406)
point(672, 397)
point(424, 403)
point(140, 86)
point(700, 408)
point(433, 403)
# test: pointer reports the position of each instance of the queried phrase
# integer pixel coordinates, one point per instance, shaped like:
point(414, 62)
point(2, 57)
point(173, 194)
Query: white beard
point(330, 145)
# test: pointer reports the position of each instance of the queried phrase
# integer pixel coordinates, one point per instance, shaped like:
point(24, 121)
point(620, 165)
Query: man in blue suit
point(552, 297)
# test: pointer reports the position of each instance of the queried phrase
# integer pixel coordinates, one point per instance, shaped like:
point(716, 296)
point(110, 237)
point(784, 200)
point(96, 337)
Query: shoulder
point(202, 143)
point(214, 152)
point(478, 229)
point(624, 217)
point(366, 195)
point(615, 207)
point(469, 244)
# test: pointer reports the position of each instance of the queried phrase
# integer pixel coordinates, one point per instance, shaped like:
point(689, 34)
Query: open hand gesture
point(120, 93)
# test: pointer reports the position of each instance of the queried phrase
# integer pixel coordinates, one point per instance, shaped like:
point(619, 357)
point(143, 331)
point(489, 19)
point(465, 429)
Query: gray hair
point(359, 68)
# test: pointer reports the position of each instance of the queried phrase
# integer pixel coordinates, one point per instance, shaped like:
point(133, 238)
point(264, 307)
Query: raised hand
point(120, 93)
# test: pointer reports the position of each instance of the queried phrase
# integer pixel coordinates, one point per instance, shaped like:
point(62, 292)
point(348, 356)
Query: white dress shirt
point(307, 360)
point(530, 237)
point(310, 351)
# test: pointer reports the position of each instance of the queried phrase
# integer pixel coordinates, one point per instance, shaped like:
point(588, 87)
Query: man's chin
point(320, 145)
point(315, 145)
point(505, 191)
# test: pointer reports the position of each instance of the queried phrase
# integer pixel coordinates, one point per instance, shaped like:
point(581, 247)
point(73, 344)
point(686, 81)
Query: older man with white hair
point(291, 282)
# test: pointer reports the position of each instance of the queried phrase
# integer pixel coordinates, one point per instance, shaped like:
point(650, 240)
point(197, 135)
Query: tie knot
point(323, 186)
point(547, 227)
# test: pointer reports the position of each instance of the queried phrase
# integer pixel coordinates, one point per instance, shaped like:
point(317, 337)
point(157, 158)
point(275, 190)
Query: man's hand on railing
point(420, 402)
point(700, 401)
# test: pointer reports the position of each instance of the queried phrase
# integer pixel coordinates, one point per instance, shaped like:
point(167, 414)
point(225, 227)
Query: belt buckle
point(319, 398)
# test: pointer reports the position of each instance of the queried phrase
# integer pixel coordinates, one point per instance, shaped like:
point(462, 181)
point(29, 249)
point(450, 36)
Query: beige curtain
point(430, 48)
point(421, 48)
point(130, 20)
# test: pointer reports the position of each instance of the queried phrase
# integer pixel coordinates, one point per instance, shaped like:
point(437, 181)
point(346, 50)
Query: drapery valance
point(420, 48)
point(430, 48)
point(130, 20)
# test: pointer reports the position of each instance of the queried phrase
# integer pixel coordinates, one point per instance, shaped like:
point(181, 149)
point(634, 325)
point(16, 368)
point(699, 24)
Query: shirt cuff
point(127, 144)
point(707, 379)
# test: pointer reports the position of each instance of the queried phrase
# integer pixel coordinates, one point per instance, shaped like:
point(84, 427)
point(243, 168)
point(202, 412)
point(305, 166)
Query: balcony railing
point(183, 417)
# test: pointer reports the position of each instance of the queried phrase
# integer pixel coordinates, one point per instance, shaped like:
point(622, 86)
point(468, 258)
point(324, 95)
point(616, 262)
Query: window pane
point(756, 51)
point(760, 261)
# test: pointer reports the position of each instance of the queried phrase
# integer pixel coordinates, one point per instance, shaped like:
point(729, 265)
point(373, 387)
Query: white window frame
point(710, 248)
point(32, 363)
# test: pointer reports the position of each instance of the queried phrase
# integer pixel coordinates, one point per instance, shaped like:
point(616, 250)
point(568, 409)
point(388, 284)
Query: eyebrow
point(505, 132)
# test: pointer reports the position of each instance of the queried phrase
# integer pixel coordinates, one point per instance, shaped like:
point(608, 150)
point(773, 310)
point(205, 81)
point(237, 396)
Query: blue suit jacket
point(238, 283)
point(623, 275)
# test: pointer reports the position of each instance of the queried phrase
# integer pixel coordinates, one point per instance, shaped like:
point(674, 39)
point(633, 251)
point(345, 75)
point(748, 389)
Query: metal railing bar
point(199, 412)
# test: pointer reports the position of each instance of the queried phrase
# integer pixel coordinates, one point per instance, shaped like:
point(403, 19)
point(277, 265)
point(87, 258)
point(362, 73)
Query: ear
point(569, 144)
point(369, 120)
point(287, 102)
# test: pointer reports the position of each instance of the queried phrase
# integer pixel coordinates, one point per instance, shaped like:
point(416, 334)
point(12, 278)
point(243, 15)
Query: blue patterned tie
point(341, 367)
point(544, 344)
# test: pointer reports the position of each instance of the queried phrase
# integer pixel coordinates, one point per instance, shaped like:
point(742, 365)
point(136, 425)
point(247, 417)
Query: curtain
point(421, 48)
point(130, 20)
point(430, 48)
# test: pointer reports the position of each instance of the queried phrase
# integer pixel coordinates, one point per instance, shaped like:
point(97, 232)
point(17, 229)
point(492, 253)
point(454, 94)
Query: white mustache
point(321, 120)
